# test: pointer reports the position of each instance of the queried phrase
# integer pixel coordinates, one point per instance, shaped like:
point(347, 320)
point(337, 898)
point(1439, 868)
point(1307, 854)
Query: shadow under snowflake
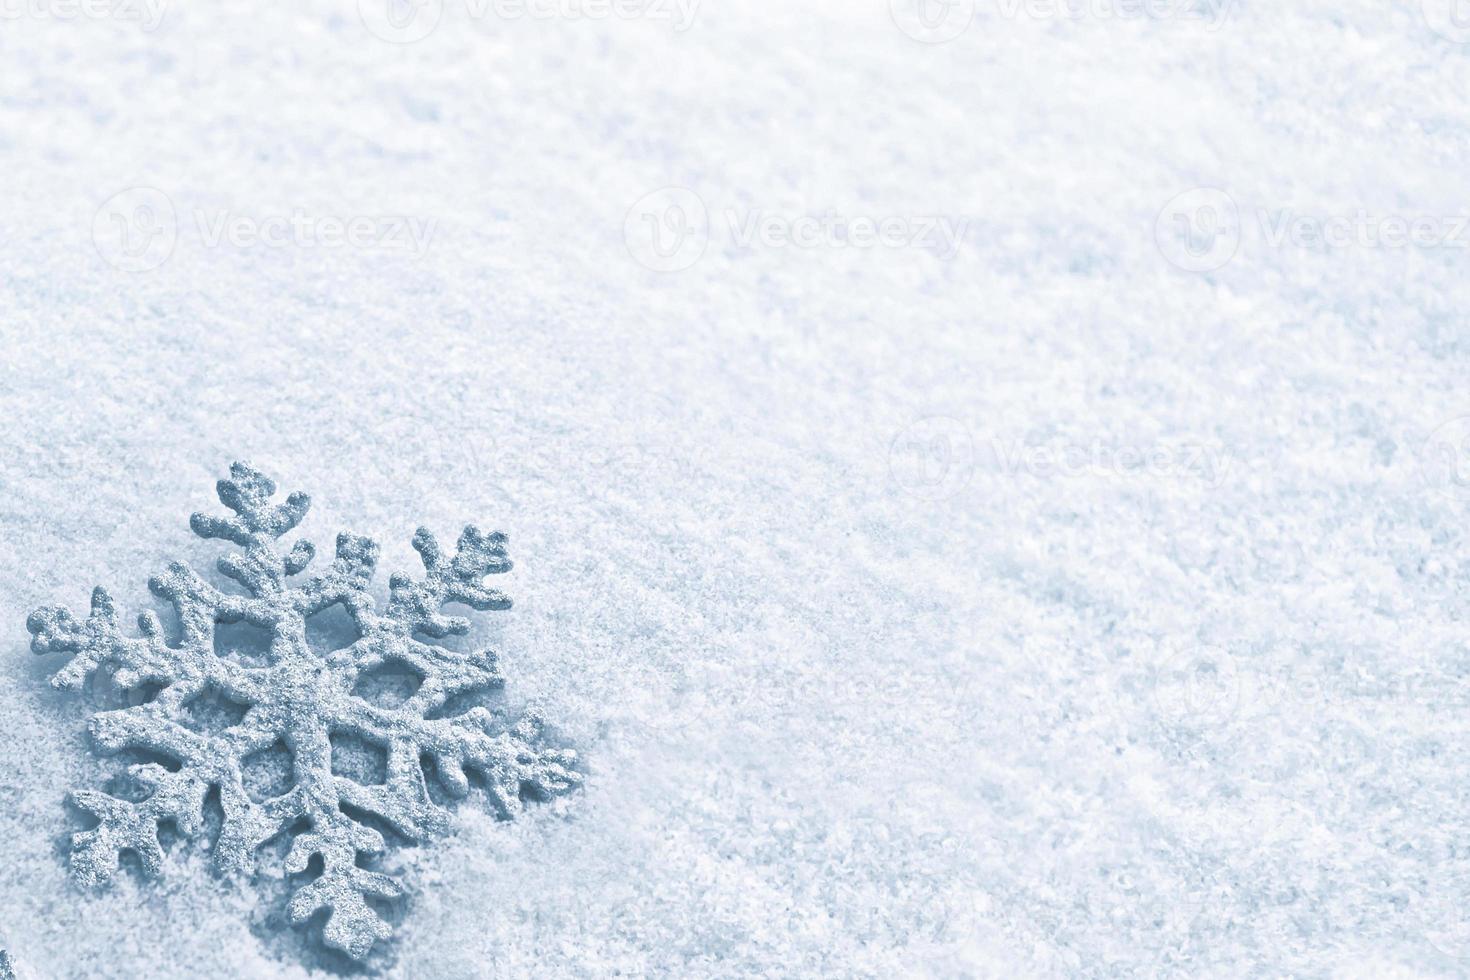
point(305, 746)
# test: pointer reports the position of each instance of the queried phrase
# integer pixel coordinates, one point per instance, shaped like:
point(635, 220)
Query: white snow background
point(1090, 601)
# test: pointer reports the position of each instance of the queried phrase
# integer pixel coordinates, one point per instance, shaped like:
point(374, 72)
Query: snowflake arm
point(418, 605)
point(123, 825)
point(99, 643)
point(343, 888)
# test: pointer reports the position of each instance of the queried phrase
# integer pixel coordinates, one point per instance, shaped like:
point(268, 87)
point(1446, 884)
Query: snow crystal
point(303, 700)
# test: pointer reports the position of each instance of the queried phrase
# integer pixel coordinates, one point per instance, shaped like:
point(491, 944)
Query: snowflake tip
point(247, 487)
point(102, 603)
point(54, 629)
point(248, 493)
point(357, 555)
point(480, 554)
point(452, 776)
point(149, 624)
point(352, 926)
point(300, 555)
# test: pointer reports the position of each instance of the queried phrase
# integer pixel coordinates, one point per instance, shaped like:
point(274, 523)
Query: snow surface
point(1076, 604)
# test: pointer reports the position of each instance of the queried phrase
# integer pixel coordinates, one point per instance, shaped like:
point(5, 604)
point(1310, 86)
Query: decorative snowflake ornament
point(304, 700)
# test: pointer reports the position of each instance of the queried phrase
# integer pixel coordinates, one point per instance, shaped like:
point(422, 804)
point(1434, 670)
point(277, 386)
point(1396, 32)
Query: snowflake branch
point(99, 643)
point(124, 825)
point(417, 604)
point(248, 493)
point(257, 524)
point(352, 925)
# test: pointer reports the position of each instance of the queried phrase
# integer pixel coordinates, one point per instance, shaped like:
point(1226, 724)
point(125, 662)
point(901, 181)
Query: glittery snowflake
point(301, 699)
